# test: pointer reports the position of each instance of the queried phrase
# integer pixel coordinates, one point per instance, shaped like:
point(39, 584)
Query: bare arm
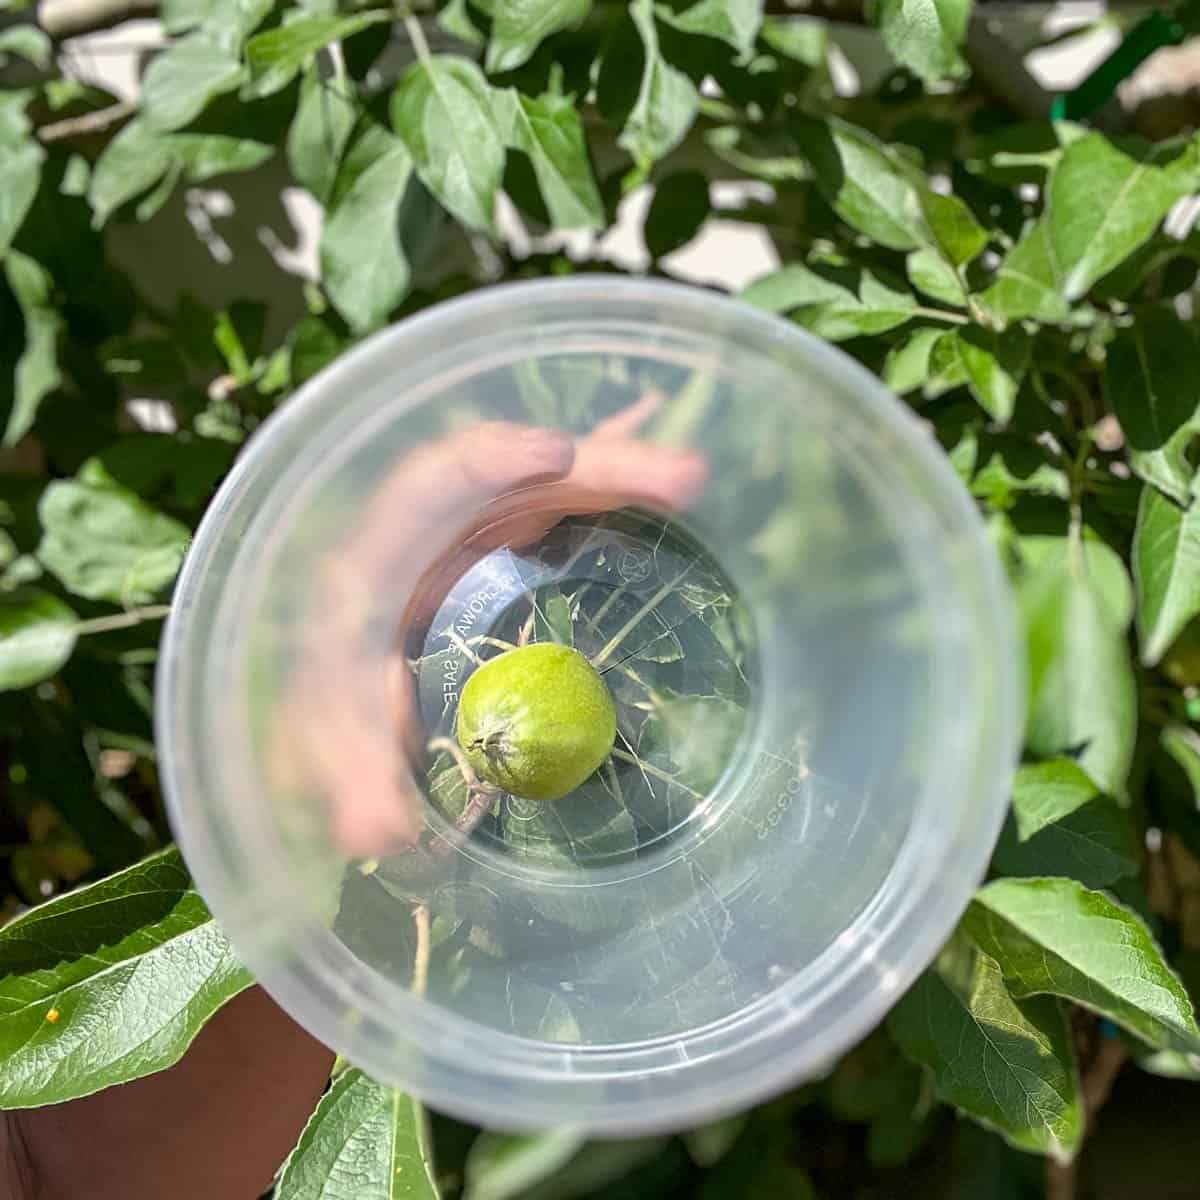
point(217, 1124)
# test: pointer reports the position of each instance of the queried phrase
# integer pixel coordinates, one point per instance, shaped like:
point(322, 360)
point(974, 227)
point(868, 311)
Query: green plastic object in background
point(1148, 35)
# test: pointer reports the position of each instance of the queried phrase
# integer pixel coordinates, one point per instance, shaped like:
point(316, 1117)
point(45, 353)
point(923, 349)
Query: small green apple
point(536, 721)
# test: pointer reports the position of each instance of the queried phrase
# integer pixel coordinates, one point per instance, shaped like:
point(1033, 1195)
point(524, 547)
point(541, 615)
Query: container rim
point(506, 1081)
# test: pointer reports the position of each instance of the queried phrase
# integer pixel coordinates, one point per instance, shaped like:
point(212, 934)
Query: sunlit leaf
point(735, 22)
point(363, 262)
point(1103, 200)
point(1166, 571)
point(925, 35)
point(520, 26)
point(37, 372)
point(1076, 602)
point(364, 1140)
point(37, 635)
point(443, 110)
point(1054, 936)
point(550, 132)
point(104, 543)
point(181, 81)
point(667, 100)
point(1061, 824)
point(1007, 1062)
point(130, 967)
point(274, 57)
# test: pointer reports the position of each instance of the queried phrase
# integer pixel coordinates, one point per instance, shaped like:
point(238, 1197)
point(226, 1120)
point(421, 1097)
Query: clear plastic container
point(804, 629)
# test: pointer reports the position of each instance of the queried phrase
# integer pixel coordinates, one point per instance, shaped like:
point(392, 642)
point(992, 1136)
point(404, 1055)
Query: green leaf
point(925, 35)
point(27, 42)
point(932, 275)
point(325, 119)
point(552, 618)
point(1076, 603)
point(550, 132)
point(953, 228)
point(364, 1141)
point(520, 26)
point(946, 368)
point(1183, 745)
point(993, 366)
point(104, 543)
point(1166, 571)
point(1010, 467)
point(1061, 824)
point(1054, 936)
point(955, 232)
point(802, 39)
point(37, 372)
point(1103, 200)
point(314, 345)
point(1005, 1062)
point(363, 264)
point(443, 110)
point(37, 635)
point(1149, 379)
point(761, 1164)
point(21, 159)
point(202, 156)
point(131, 968)
point(139, 157)
point(591, 1171)
point(455, 19)
point(678, 211)
point(181, 81)
point(871, 188)
point(1168, 468)
point(276, 55)
point(1171, 1064)
point(667, 100)
point(907, 365)
point(136, 159)
point(708, 1144)
point(734, 22)
point(179, 16)
point(228, 22)
point(505, 1166)
point(834, 303)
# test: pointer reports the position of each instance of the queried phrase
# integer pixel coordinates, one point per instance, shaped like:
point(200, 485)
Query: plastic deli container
point(791, 602)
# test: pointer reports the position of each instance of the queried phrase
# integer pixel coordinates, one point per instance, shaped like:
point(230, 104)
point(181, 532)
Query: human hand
point(349, 730)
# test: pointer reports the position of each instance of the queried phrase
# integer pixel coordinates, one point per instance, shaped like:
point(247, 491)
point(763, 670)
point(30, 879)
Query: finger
point(607, 475)
point(342, 735)
point(448, 483)
point(662, 476)
point(631, 418)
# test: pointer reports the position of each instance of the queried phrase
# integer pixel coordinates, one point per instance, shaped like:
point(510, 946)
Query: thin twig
point(96, 121)
point(1096, 1086)
point(940, 314)
point(665, 776)
point(527, 626)
point(478, 807)
point(485, 639)
point(72, 18)
point(134, 616)
point(483, 795)
point(417, 36)
point(455, 640)
point(421, 957)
